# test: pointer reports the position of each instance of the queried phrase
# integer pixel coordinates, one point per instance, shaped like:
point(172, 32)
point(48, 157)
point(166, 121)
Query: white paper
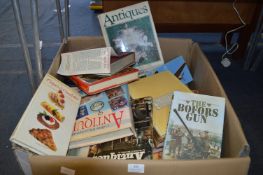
point(92, 61)
point(135, 168)
point(67, 171)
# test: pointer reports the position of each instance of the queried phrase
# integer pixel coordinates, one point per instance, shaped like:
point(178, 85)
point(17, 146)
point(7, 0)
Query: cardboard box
point(235, 159)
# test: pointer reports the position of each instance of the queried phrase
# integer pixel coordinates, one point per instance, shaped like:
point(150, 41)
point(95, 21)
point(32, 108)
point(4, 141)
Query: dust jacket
point(195, 127)
point(132, 147)
point(103, 117)
point(131, 29)
point(47, 123)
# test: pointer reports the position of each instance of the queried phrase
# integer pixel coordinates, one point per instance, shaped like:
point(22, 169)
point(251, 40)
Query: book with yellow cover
point(160, 87)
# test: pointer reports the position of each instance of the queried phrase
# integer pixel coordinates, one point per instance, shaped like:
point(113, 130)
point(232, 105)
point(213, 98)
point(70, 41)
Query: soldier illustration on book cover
point(190, 143)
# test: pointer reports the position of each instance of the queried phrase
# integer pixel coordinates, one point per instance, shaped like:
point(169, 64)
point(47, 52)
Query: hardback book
point(103, 117)
point(93, 84)
point(160, 87)
point(132, 147)
point(195, 127)
point(46, 125)
point(120, 61)
point(131, 29)
point(176, 66)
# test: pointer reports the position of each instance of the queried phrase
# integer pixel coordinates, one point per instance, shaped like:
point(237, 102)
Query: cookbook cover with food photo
point(46, 126)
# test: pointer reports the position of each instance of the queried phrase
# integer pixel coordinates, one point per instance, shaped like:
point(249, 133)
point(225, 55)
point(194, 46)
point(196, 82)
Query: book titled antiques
point(46, 126)
point(130, 147)
point(131, 29)
point(195, 127)
point(103, 117)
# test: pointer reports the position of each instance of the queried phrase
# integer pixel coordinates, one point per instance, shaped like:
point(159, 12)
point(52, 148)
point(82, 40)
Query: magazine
point(195, 127)
point(131, 29)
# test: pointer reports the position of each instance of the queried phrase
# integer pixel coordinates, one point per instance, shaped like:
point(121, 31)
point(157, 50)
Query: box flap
point(81, 166)
point(206, 81)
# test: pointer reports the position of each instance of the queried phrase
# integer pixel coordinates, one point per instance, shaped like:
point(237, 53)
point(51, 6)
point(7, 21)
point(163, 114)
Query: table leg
point(23, 42)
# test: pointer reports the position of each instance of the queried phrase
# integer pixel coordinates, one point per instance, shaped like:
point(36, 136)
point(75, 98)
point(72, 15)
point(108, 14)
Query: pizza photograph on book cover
point(195, 127)
point(131, 29)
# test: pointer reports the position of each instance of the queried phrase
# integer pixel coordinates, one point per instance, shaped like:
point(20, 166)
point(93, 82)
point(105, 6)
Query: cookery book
point(160, 87)
point(130, 147)
point(195, 127)
point(93, 84)
point(131, 29)
point(103, 117)
point(46, 125)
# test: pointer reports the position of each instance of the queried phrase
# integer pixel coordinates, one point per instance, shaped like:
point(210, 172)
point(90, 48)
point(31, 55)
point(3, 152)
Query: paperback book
point(132, 147)
point(195, 127)
point(103, 117)
point(176, 66)
point(131, 29)
point(46, 126)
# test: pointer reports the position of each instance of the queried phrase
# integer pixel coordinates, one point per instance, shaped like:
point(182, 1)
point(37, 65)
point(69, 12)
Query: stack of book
point(126, 104)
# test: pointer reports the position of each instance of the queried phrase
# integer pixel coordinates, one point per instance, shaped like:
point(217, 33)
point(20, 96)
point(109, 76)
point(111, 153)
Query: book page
point(92, 61)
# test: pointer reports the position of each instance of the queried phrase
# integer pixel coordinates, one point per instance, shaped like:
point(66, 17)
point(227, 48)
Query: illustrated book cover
point(176, 66)
point(93, 84)
point(132, 147)
point(131, 29)
point(103, 117)
point(195, 127)
point(46, 125)
point(160, 87)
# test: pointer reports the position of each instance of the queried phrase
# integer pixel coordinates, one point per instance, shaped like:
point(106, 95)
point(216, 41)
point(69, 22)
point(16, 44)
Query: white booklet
point(47, 124)
point(91, 61)
point(131, 29)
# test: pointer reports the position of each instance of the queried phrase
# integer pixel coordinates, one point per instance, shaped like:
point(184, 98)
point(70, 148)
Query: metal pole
point(22, 39)
point(34, 15)
point(60, 22)
point(66, 2)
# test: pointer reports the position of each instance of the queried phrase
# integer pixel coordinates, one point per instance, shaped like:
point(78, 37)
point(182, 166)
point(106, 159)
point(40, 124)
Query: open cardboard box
point(235, 158)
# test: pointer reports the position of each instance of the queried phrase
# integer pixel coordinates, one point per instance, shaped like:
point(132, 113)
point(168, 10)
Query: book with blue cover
point(176, 66)
point(103, 117)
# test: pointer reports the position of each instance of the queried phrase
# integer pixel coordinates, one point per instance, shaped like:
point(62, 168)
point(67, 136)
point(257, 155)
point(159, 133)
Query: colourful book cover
point(103, 117)
point(131, 29)
point(132, 147)
point(46, 125)
point(176, 66)
point(195, 127)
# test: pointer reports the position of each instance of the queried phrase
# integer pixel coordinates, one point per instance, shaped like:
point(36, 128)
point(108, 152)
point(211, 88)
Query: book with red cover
point(92, 84)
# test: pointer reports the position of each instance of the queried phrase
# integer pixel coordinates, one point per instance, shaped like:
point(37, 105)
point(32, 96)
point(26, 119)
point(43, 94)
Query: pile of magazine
point(132, 106)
